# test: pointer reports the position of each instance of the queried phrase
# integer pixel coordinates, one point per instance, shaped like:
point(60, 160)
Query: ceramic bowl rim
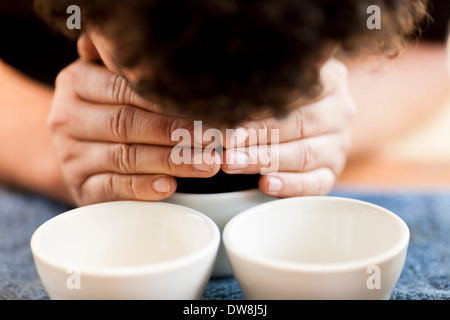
point(211, 247)
point(306, 267)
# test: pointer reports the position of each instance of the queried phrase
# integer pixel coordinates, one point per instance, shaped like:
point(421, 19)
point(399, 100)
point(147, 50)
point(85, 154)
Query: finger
point(113, 187)
point(140, 159)
point(96, 83)
point(128, 124)
point(294, 156)
point(316, 119)
point(313, 183)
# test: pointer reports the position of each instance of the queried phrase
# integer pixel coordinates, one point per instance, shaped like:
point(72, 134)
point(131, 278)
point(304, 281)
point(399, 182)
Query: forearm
point(28, 160)
point(396, 95)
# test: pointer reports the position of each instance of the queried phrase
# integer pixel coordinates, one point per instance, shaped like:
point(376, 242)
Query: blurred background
point(417, 155)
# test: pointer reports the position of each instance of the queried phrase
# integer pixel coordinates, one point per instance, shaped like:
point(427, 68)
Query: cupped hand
point(303, 153)
point(114, 145)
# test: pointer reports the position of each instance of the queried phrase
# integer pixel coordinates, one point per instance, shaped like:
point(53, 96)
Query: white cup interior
point(316, 230)
point(123, 234)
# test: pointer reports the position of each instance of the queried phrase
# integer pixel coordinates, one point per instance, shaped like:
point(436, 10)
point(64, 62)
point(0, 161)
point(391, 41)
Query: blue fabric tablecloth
point(426, 275)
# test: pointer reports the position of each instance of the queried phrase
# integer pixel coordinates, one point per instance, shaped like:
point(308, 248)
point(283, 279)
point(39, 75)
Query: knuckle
point(56, 120)
point(119, 89)
point(121, 120)
point(68, 153)
point(65, 77)
point(109, 187)
point(124, 158)
point(263, 155)
point(262, 132)
point(77, 193)
point(305, 157)
point(171, 125)
point(116, 187)
point(300, 187)
point(321, 185)
point(300, 122)
point(268, 124)
point(166, 162)
point(59, 115)
point(133, 188)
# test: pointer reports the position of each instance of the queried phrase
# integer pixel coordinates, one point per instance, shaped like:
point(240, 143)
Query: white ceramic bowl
point(316, 248)
point(221, 207)
point(126, 250)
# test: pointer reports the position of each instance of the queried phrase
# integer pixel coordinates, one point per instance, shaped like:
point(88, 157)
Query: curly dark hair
point(219, 60)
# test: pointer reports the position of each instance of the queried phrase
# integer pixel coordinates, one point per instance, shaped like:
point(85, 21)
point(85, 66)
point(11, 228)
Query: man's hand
point(311, 147)
point(111, 143)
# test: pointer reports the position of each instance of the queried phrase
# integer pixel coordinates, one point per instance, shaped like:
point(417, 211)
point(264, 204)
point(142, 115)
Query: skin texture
point(114, 145)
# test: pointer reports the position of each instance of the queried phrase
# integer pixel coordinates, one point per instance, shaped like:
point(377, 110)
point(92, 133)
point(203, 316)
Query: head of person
point(222, 60)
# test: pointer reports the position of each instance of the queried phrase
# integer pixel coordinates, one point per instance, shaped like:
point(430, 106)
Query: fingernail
point(161, 185)
point(237, 160)
point(206, 167)
point(275, 184)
